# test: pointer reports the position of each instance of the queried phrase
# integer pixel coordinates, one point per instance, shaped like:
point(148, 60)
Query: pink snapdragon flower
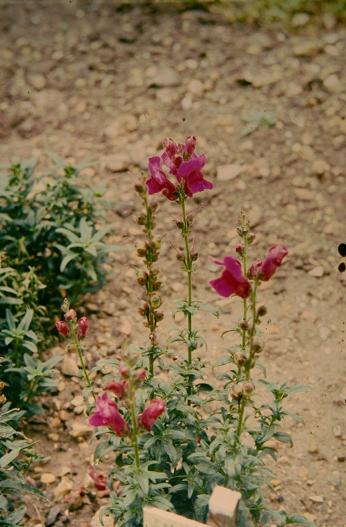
point(183, 164)
point(62, 328)
point(107, 414)
point(264, 269)
point(119, 388)
point(232, 281)
point(152, 413)
point(83, 326)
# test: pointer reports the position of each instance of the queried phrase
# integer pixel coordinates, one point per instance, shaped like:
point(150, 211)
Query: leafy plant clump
point(168, 434)
point(49, 247)
point(16, 456)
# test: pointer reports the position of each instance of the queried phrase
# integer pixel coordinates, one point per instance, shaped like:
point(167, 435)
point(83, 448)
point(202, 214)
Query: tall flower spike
point(232, 281)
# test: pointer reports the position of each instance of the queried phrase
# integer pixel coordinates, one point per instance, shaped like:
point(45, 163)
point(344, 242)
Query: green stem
point(82, 362)
point(241, 410)
point(252, 332)
point(134, 432)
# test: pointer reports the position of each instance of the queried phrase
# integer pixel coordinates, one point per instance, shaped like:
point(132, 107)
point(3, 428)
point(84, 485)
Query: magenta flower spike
point(158, 181)
point(107, 414)
point(152, 413)
point(232, 281)
point(265, 269)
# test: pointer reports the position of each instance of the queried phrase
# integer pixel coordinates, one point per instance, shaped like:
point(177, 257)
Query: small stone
point(316, 499)
point(195, 87)
point(337, 431)
point(77, 401)
point(80, 429)
point(164, 77)
point(69, 367)
point(317, 271)
point(228, 172)
point(320, 167)
point(300, 19)
point(307, 48)
point(304, 194)
point(117, 162)
point(37, 81)
point(64, 487)
point(332, 84)
point(254, 215)
point(324, 332)
point(47, 478)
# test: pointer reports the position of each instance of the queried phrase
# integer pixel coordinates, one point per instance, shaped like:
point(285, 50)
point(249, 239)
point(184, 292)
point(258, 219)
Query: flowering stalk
point(149, 279)
point(134, 430)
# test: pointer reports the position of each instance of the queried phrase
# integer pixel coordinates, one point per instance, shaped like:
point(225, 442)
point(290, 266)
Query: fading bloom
point(141, 374)
point(83, 326)
point(152, 413)
point(265, 269)
point(183, 164)
point(118, 388)
point(232, 281)
point(158, 181)
point(62, 328)
point(98, 478)
point(107, 414)
point(124, 370)
point(70, 315)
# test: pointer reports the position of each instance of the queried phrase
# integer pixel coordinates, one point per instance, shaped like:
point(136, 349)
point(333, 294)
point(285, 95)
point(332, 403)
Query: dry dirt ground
point(88, 82)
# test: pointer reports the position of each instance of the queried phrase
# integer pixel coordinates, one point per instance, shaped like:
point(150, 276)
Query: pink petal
point(96, 419)
point(223, 286)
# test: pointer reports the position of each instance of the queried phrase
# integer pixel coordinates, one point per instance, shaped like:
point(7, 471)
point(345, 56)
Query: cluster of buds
point(241, 390)
point(71, 322)
point(118, 415)
point(149, 279)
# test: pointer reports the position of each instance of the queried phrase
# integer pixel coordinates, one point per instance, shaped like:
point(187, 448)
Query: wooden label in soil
point(157, 518)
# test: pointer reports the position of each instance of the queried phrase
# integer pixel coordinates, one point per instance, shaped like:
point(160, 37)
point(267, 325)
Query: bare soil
point(86, 81)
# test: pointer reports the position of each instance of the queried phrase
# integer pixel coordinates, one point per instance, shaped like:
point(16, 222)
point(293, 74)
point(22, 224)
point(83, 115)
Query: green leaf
point(66, 260)
point(24, 324)
point(7, 458)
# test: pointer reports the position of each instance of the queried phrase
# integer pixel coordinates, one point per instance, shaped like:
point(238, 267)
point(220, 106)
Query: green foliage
point(49, 249)
point(16, 455)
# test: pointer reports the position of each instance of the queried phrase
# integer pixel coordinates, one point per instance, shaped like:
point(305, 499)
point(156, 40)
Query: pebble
point(332, 84)
point(79, 429)
point(47, 478)
point(307, 48)
point(196, 87)
point(77, 400)
point(316, 499)
point(324, 332)
point(337, 431)
point(228, 172)
point(37, 81)
point(164, 77)
point(69, 367)
point(304, 194)
point(64, 487)
point(117, 162)
point(300, 19)
point(317, 271)
point(320, 167)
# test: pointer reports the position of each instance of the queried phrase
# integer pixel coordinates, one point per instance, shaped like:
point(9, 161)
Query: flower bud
point(62, 328)
point(123, 370)
point(142, 279)
point(244, 325)
point(158, 316)
point(179, 224)
point(194, 256)
point(248, 388)
point(141, 219)
point(70, 315)
point(239, 248)
point(141, 374)
point(118, 388)
point(180, 255)
point(240, 358)
point(152, 413)
point(65, 305)
point(141, 251)
point(261, 311)
point(236, 392)
point(83, 326)
point(139, 188)
point(251, 237)
point(155, 301)
point(257, 348)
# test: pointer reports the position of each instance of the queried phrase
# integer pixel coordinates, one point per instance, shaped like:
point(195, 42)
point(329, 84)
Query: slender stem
point(134, 431)
point(241, 409)
point(188, 267)
point(82, 362)
point(252, 332)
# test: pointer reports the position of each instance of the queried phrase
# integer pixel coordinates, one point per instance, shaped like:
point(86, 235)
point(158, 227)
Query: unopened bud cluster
point(71, 323)
point(149, 252)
